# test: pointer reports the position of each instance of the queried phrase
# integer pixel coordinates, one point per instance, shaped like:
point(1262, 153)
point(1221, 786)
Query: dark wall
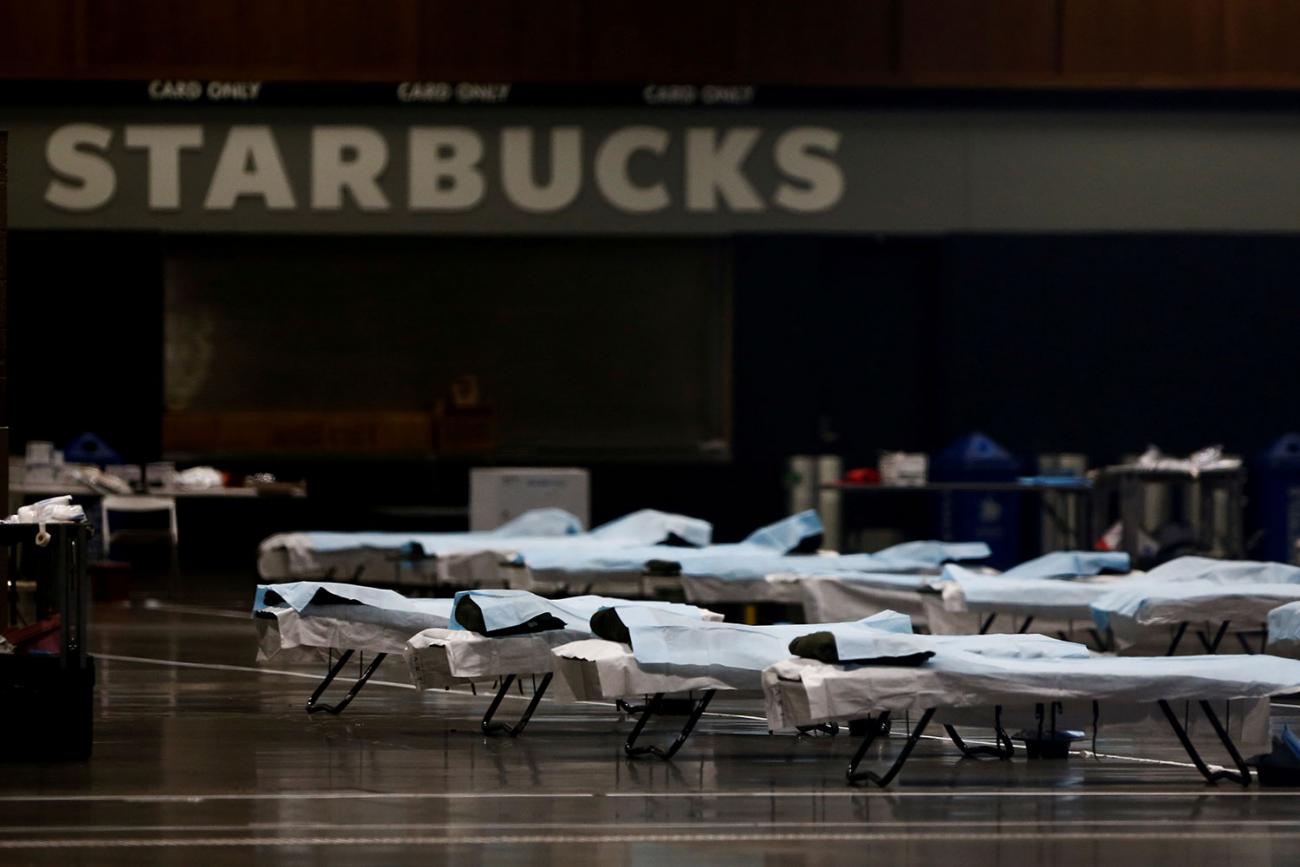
point(833, 345)
point(1103, 344)
point(605, 345)
point(4, 280)
point(85, 338)
point(1097, 344)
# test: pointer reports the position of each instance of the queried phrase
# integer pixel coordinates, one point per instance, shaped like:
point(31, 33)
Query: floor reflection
point(215, 765)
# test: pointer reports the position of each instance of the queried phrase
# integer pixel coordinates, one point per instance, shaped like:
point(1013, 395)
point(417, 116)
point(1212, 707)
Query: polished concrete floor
point(203, 757)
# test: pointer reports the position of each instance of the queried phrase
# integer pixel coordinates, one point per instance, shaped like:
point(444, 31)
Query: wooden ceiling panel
point(994, 41)
point(201, 38)
point(1151, 42)
point(36, 38)
point(671, 41)
point(1263, 40)
point(825, 42)
point(501, 40)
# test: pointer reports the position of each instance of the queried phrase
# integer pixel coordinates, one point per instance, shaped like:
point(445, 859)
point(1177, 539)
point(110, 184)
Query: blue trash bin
point(992, 517)
point(89, 448)
point(1276, 481)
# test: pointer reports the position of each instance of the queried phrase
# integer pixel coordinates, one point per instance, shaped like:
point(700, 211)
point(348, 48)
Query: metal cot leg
point(514, 731)
point(1213, 646)
point(830, 729)
point(854, 776)
point(1003, 751)
point(313, 703)
point(661, 706)
point(1240, 776)
point(1178, 637)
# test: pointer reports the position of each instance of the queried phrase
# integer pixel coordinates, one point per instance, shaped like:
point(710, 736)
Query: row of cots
point(651, 554)
point(659, 658)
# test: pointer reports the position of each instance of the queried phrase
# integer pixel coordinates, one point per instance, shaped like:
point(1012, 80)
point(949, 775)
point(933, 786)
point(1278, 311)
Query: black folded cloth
point(821, 647)
point(606, 624)
point(470, 617)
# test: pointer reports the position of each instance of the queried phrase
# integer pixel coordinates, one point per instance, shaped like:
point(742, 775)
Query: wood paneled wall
point(976, 43)
point(4, 301)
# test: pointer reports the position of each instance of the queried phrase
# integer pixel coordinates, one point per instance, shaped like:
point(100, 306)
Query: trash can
point(974, 515)
point(1277, 499)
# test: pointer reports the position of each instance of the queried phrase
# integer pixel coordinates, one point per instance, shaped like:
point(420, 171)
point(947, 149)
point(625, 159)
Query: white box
point(497, 495)
point(904, 468)
point(40, 452)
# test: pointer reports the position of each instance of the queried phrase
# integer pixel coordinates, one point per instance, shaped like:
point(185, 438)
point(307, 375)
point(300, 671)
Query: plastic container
point(992, 517)
point(1276, 481)
point(89, 448)
point(1048, 745)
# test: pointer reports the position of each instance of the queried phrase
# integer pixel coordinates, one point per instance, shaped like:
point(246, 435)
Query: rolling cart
point(46, 686)
point(1208, 506)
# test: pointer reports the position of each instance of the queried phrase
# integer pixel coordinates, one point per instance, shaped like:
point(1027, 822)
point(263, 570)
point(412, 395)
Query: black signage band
point(461, 94)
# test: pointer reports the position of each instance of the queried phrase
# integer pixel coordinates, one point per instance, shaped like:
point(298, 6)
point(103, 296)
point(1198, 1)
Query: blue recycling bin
point(992, 517)
point(89, 448)
point(1276, 481)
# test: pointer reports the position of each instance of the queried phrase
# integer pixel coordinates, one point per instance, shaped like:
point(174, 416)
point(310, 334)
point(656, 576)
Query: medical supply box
point(499, 494)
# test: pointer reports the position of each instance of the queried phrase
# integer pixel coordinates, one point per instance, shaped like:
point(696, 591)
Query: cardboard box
point(497, 495)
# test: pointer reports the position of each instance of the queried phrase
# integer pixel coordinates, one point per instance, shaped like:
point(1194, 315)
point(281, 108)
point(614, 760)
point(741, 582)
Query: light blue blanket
point(1284, 624)
point(908, 558)
point(1067, 565)
point(1037, 596)
point(658, 640)
point(505, 609)
point(764, 546)
point(1136, 604)
point(962, 679)
point(764, 552)
point(539, 527)
point(1225, 571)
point(355, 602)
point(651, 527)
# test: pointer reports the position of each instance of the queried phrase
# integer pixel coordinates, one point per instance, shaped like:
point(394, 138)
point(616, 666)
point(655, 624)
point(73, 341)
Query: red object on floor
point(40, 637)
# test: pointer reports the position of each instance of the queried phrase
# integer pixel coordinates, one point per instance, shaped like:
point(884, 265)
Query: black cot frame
point(487, 725)
point(880, 724)
point(315, 705)
point(692, 708)
point(1240, 776)
point(1211, 645)
point(987, 623)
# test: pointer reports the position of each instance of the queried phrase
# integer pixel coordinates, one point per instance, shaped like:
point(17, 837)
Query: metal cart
point(46, 696)
point(1208, 504)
